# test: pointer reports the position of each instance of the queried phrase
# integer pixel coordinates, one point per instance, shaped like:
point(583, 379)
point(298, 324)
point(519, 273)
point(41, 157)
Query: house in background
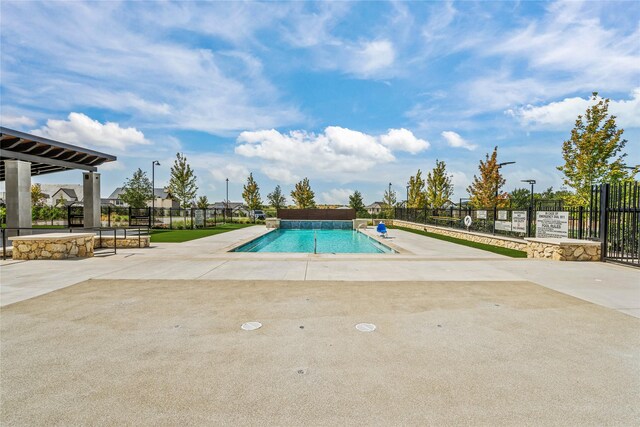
point(62, 194)
point(237, 208)
point(163, 199)
point(375, 208)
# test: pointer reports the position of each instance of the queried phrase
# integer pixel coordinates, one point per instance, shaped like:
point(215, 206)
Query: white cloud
point(235, 172)
point(15, 121)
point(371, 57)
point(280, 174)
point(81, 130)
point(403, 140)
point(135, 69)
point(336, 152)
point(337, 196)
point(562, 114)
point(455, 140)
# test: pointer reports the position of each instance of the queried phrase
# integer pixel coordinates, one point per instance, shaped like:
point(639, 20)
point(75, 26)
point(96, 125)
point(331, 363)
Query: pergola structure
point(24, 155)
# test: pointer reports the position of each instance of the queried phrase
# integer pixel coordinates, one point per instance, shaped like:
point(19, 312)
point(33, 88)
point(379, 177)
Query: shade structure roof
point(47, 155)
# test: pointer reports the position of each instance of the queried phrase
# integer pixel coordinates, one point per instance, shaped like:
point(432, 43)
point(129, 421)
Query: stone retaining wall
point(564, 249)
point(121, 242)
point(488, 239)
point(53, 249)
point(554, 249)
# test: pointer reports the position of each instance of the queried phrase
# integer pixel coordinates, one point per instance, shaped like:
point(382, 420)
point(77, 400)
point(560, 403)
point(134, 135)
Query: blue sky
point(353, 95)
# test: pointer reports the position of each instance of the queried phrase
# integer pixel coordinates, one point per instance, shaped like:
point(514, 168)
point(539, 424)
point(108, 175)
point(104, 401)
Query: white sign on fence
point(502, 215)
point(519, 221)
point(503, 225)
point(199, 214)
point(553, 224)
point(481, 214)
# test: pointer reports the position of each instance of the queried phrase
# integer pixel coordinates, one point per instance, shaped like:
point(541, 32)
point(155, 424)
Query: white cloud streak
point(456, 141)
point(336, 196)
point(336, 150)
point(81, 130)
point(562, 114)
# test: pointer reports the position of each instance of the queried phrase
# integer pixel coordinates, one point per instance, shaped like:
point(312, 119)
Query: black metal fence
point(612, 217)
point(620, 222)
point(518, 223)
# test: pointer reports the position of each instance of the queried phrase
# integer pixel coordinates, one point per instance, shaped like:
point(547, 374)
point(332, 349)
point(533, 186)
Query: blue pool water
point(328, 241)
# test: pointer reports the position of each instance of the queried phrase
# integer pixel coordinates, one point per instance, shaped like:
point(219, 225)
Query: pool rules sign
point(553, 224)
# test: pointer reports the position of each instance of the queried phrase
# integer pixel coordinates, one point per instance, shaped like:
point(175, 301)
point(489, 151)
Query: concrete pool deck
point(152, 336)
point(167, 352)
point(423, 258)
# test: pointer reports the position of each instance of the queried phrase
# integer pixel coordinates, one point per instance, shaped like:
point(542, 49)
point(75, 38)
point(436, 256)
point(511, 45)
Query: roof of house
point(160, 193)
point(375, 205)
point(69, 192)
point(232, 205)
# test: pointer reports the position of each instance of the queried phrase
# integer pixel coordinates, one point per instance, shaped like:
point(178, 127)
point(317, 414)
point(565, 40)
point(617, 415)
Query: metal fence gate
point(619, 221)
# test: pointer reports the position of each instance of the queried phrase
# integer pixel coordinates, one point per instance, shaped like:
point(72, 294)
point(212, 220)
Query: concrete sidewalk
point(171, 352)
point(423, 258)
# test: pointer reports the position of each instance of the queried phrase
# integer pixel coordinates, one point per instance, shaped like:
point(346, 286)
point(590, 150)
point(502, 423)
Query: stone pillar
point(91, 199)
point(18, 194)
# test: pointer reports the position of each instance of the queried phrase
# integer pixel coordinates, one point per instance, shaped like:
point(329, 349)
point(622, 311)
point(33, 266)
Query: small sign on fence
point(554, 224)
point(519, 221)
point(502, 215)
point(503, 225)
point(199, 217)
point(481, 214)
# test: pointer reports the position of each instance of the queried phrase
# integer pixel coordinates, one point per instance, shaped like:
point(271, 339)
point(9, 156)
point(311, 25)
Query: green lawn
point(177, 236)
point(495, 249)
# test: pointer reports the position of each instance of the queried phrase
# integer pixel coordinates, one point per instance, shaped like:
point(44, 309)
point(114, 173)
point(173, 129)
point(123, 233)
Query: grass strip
point(513, 253)
point(178, 236)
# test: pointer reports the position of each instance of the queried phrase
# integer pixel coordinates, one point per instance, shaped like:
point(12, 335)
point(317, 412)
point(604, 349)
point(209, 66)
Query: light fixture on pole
point(227, 199)
point(532, 182)
point(407, 203)
point(530, 219)
point(153, 190)
point(495, 203)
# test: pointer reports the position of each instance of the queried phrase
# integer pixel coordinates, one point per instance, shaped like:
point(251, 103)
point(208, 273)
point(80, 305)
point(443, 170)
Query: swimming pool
point(325, 241)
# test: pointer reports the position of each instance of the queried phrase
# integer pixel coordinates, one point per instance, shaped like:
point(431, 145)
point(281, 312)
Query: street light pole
point(153, 191)
point(227, 199)
point(495, 203)
point(407, 204)
point(530, 219)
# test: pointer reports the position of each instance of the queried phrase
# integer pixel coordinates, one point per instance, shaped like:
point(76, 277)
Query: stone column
point(91, 199)
point(18, 194)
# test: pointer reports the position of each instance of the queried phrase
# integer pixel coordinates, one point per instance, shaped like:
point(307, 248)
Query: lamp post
point(153, 191)
point(226, 204)
point(407, 204)
point(495, 203)
point(530, 219)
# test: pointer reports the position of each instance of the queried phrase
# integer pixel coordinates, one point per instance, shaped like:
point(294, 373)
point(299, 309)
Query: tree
point(417, 195)
point(484, 188)
point(389, 198)
point(592, 154)
point(137, 190)
point(439, 186)
point(303, 196)
point(202, 203)
point(520, 198)
point(37, 196)
point(356, 202)
point(251, 194)
point(182, 184)
point(276, 198)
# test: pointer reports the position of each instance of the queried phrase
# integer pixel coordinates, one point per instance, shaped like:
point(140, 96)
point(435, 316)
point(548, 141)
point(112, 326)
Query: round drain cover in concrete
point(366, 327)
point(251, 326)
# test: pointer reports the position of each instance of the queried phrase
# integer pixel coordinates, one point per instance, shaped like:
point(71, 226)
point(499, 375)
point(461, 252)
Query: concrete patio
point(609, 285)
point(152, 337)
